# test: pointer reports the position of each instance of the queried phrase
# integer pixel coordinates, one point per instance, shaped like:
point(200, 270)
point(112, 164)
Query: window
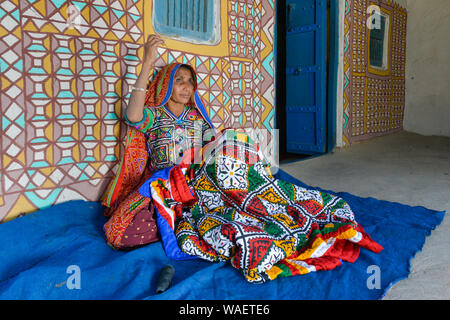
point(197, 20)
point(378, 42)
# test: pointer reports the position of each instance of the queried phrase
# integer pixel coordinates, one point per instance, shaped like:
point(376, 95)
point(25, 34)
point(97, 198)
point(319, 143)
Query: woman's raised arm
point(137, 99)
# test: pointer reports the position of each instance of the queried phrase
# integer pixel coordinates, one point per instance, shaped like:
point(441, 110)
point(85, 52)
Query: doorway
point(323, 125)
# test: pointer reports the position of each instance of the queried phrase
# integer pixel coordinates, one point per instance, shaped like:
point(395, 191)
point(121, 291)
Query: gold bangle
point(137, 88)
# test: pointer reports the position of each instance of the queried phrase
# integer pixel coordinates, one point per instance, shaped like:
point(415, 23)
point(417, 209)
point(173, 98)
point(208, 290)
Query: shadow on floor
point(286, 157)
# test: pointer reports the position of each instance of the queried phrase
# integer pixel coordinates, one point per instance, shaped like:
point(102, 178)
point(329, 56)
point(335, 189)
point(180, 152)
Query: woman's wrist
point(142, 79)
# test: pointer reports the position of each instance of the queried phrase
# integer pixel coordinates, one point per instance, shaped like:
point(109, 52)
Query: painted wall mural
point(374, 98)
point(66, 68)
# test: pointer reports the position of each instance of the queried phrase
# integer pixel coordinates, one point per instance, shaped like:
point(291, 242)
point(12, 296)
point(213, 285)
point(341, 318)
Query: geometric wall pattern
point(373, 102)
point(63, 90)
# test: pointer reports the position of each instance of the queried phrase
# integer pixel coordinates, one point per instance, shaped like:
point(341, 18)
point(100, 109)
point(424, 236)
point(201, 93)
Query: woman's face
point(183, 86)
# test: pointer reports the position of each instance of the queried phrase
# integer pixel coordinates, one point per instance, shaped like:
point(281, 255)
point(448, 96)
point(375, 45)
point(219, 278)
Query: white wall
point(427, 107)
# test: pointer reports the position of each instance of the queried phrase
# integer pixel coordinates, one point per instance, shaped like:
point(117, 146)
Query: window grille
point(377, 45)
point(190, 19)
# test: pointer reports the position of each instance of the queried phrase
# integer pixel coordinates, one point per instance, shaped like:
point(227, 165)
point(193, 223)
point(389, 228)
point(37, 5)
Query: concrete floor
point(403, 167)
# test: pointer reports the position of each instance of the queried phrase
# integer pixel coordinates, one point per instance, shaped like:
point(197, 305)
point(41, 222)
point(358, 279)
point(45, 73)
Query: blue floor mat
point(60, 253)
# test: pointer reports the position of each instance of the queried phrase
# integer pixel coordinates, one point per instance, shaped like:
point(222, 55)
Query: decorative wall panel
point(66, 68)
point(374, 100)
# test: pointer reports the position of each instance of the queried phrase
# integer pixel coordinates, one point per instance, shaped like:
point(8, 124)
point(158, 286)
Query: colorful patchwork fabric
point(168, 136)
point(130, 172)
point(229, 207)
point(123, 217)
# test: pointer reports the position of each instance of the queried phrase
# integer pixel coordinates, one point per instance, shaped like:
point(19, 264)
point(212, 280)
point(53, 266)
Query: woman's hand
point(150, 49)
point(137, 98)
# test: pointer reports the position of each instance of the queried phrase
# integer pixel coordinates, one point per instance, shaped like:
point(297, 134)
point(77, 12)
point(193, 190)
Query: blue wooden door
point(306, 45)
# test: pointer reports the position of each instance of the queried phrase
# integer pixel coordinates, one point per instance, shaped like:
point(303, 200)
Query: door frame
point(332, 73)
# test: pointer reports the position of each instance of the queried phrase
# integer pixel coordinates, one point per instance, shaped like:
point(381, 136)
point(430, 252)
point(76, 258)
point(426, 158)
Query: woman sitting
point(213, 193)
